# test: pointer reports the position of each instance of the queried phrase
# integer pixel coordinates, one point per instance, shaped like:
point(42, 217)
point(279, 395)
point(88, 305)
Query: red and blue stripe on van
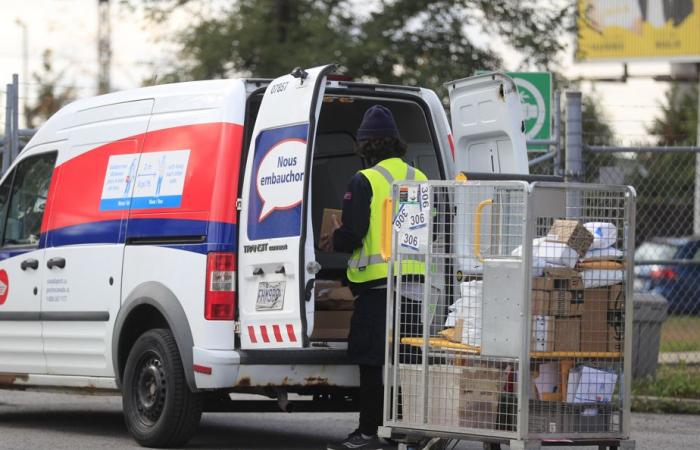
point(207, 210)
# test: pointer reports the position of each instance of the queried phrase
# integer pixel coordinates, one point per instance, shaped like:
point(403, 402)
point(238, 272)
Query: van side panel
point(81, 299)
point(210, 128)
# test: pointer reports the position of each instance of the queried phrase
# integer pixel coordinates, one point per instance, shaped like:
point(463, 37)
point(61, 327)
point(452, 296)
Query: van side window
point(28, 200)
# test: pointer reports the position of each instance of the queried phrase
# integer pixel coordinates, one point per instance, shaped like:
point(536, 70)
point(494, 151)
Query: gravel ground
point(32, 420)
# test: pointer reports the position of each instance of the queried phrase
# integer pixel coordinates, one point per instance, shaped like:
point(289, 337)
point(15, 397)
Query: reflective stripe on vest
point(367, 263)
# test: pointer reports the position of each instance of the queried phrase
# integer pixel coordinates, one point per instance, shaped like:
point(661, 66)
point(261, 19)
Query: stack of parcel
point(490, 345)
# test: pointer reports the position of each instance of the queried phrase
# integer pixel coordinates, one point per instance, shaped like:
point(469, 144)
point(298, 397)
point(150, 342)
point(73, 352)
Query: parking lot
point(30, 420)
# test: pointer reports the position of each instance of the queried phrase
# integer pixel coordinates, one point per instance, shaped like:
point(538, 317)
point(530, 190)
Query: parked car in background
point(679, 282)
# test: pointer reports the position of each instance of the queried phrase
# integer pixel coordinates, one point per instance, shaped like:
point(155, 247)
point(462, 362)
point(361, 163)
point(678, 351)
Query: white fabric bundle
point(468, 309)
point(599, 278)
point(603, 254)
point(604, 234)
point(550, 254)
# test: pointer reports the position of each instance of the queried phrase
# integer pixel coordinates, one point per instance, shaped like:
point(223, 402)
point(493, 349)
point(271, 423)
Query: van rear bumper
point(223, 366)
point(294, 368)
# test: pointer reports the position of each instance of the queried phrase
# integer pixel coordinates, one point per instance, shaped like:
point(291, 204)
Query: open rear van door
point(487, 125)
point(276, 239)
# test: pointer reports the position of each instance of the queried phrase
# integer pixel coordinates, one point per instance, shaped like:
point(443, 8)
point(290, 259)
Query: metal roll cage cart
point(509, 317)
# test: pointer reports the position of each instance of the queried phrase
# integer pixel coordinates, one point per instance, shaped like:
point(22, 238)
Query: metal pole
point(650, 149)
point(574, 137)
point(25, 66)
point(8, 128)
point(15, 116)
point(557, 133)
point(696, 221)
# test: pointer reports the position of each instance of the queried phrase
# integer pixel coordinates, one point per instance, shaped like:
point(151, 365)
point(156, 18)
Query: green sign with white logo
point(535, 89)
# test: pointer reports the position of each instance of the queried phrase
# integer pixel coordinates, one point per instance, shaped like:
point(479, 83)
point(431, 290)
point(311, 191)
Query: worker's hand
point(326, 241)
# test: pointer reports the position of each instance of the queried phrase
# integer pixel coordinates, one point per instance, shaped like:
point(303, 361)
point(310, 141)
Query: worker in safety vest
point(379, 144)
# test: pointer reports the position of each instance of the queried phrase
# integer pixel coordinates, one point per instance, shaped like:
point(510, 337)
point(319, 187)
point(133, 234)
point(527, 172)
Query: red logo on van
point(4, 286)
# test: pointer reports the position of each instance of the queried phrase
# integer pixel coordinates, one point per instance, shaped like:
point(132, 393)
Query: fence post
point(8, 129)
point(574, 137)
point(15, 117)
point(696, 215)
point(557, 132)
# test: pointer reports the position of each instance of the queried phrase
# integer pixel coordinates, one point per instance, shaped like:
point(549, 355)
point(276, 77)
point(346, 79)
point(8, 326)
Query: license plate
point(270, 296)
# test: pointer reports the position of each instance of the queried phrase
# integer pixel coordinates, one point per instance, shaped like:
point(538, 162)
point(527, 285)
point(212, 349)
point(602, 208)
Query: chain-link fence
point(667, 258)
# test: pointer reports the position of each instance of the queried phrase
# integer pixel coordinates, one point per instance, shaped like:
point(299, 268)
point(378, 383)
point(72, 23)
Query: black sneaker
point(355, 441)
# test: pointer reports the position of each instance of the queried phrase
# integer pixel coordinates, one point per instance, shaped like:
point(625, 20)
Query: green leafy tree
point(402, 41)
point(51, 94)
point(666, 183)
point(596, 131)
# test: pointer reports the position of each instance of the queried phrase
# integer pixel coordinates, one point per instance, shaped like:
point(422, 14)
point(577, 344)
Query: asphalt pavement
point(33, 420)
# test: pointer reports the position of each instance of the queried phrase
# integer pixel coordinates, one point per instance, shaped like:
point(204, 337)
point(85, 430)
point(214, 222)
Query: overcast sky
point(69, 29)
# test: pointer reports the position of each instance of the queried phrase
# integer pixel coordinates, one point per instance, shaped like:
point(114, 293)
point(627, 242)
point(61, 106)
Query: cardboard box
point(571, 233)
point(443, 395)
point(331, 295)
point(540, 303)
point(566, 303)
point(555, 334)
point(559, 278)
point(616, 338)
point(616, 297)
point(616, 318)
point(480, 389)
point(543, 329)
point(327, 224)
point(594, 320)
point(567, 332)
point(331, 325)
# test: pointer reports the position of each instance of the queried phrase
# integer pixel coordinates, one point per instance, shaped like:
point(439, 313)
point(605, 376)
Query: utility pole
point(25, 67)
point(104, 48)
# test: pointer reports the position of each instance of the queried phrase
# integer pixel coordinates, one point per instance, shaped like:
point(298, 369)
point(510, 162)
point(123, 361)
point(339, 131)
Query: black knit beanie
point(378, 122)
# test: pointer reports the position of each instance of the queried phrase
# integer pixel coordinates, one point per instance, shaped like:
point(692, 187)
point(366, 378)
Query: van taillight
point(220, 295)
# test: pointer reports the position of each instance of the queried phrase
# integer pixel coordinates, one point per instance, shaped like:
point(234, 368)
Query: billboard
point(627, 30)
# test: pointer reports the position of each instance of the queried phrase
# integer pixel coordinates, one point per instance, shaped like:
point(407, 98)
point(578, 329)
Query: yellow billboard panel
point(624, 30)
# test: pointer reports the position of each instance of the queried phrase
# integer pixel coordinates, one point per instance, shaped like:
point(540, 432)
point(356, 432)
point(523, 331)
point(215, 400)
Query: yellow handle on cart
point(477, 228)
point(387, 215)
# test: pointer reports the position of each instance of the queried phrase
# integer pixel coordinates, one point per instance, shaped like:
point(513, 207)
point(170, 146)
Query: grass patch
point(677, 381)
point(663, 406)
point(680, 334)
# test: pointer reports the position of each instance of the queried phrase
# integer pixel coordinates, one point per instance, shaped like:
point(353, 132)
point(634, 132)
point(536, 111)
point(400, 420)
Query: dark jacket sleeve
point(355, 218)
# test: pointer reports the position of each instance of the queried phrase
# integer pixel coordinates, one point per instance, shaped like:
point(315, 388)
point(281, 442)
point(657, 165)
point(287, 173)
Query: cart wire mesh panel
point(508, 315)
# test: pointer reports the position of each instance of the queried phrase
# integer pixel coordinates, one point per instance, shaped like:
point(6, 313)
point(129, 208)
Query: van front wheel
point(159, 408)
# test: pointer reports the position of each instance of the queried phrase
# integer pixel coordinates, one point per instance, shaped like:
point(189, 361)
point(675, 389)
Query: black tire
point(159, 408)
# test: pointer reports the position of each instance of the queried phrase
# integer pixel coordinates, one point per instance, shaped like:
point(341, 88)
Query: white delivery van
point(161, 242)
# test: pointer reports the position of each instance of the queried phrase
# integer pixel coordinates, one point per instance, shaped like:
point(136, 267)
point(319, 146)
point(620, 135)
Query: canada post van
point(162, 242)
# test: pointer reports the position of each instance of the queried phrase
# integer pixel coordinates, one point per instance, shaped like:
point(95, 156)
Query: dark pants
point(371, 399)
point(366, 345)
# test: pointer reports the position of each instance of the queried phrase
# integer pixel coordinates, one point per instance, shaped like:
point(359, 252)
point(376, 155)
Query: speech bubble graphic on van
point(280, 176)
point(276, 182)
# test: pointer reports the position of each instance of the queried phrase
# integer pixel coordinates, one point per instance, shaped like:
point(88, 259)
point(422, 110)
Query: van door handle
point(56, 262)
point(29, 264)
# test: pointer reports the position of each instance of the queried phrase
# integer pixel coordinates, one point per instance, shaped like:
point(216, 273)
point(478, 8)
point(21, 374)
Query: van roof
point(209, 91)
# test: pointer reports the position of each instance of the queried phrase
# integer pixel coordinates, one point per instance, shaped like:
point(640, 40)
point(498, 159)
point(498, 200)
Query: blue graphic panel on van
point(277, 183)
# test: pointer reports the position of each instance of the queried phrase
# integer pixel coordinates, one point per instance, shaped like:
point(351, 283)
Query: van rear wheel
point(159, 408)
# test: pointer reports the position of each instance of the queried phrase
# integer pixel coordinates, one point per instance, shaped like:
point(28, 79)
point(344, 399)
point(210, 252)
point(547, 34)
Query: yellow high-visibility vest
point(366, 263)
